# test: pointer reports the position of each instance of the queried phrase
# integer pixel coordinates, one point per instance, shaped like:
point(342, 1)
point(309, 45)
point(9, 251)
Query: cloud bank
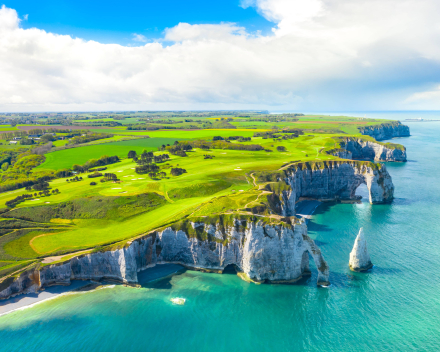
point(321, 55)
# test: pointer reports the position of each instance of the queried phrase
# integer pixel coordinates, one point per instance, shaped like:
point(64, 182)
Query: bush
point(96, 174)
point(93, 183)
point(177, 171)
point(281, 148)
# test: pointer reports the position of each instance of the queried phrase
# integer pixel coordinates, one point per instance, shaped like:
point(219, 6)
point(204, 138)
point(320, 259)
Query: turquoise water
point(395, 307)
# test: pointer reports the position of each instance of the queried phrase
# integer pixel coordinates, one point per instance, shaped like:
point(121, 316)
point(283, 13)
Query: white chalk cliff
point(264, 252)
point(359, 257)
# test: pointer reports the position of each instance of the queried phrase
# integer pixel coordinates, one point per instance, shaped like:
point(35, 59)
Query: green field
point(66, 158)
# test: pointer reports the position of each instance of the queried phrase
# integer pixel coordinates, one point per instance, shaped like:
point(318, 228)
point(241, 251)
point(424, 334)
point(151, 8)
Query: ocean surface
point(394, 307)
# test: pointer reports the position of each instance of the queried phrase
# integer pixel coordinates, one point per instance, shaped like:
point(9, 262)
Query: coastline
point(27, 300)
point(306, 208)
point(20, 302)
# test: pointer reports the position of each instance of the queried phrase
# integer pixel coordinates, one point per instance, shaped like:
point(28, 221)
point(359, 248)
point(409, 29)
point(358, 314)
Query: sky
point(279, 55)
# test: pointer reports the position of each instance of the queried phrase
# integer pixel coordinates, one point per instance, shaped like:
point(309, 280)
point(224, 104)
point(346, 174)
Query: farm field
point(66, 158)
point(184, 134)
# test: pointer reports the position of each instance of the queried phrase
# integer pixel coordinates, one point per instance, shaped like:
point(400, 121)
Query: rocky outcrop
point(368, 150)
point(276, 253)
point(359, 257)
point(335, 180)
point(27, 282)
point(362, 149)
point(386, 130)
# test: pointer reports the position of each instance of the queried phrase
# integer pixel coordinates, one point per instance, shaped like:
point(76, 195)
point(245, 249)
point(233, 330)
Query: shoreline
point(28, 300)
point(306, 208)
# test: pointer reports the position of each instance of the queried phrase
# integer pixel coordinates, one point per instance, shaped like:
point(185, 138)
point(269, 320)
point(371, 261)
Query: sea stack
point(359, 257)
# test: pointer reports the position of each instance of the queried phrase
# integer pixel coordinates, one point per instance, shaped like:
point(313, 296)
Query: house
point(32, 136)
point(16, 138)
point(13, 142)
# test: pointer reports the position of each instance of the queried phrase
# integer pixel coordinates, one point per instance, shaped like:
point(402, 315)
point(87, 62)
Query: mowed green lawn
point(66, 158)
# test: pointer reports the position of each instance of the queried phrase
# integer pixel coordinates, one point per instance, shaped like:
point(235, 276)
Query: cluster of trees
point(178, 149)
point(232, 138)
point(295, 131)
point(76, 178)
point(161, 158)
point(266, 135)
point(41, 150)
point(103, 160)
point(147, 168)
point(109, 177)
point(147, 163)
point(177, 171)
point(89, 137)
point(219, 145)
point(63, 173)
point(17, 200)
point(16, 169)
point(95, 174)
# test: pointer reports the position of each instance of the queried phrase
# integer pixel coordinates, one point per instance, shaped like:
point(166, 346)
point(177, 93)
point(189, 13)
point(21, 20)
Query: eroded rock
point(359, 256)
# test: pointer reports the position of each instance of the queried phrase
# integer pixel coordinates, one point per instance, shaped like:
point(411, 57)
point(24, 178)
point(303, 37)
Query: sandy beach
point(23, 301)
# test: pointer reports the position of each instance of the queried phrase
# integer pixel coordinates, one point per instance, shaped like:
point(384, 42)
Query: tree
point(281, 148)
point(132, 154)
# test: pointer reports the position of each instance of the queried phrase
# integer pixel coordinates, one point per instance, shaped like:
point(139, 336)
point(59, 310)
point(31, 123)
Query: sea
point(393, 307)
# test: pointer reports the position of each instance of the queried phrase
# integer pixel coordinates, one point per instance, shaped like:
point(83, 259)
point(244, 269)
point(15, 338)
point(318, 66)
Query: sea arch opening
point(362, 193)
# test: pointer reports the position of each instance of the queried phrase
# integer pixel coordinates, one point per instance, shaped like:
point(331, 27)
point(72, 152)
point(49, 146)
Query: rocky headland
point(386, 130)
point(367, 149)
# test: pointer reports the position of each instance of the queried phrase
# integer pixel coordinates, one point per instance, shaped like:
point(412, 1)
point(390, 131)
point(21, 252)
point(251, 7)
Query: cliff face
point(367, 150)
point(263, 252)
point(336, 180)
point(27, 282)
point(386, 130)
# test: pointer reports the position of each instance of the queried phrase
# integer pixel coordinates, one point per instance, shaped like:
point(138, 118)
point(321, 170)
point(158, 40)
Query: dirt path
point(59, 257)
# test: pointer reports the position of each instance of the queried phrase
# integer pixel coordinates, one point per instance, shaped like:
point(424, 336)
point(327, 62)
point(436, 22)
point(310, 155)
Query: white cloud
point(139, 38)
point(186, 31)
point(322, 54)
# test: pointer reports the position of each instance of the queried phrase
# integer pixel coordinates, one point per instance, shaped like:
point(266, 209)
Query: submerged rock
point(359, 257)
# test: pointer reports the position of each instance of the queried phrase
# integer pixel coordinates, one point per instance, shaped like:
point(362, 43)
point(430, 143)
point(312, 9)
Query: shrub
point(93, 183)
point(177, 171)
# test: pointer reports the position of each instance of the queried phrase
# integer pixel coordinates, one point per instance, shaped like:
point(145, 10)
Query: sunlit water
point(395, 307)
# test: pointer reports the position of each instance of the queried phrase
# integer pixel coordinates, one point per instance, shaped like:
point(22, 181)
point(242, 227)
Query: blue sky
point(115, 21)
point(297, 55)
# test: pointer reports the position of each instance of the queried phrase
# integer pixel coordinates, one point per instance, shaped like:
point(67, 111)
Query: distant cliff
point(261, 250)
point(386, 130)
point(367, 149)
